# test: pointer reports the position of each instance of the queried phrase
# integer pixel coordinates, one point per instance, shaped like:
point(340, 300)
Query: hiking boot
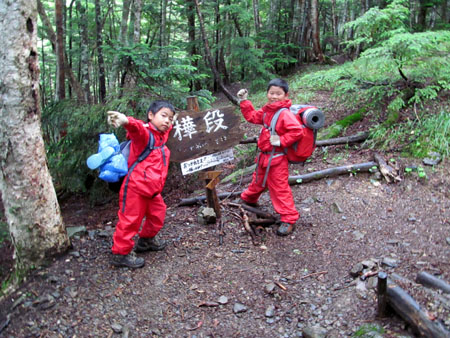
point(285, 229)
point(250, 204)
point(150, 244)
point(130, 260)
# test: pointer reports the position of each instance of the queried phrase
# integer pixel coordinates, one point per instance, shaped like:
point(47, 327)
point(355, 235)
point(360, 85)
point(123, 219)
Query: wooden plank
point(212, 183)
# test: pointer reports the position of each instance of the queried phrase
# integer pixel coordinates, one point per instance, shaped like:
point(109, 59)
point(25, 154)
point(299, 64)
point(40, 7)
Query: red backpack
point(311, 119)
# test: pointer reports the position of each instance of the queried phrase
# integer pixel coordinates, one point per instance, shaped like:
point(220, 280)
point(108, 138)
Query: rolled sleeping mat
point(313, 118)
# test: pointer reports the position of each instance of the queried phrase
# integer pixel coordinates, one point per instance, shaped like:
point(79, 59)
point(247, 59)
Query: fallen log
point(360, 137)
point(426, 279)
point(200, 199)
point(407, 308)
point(264, 222)
point(256, 211)
point(331, 172)
point(386, 170)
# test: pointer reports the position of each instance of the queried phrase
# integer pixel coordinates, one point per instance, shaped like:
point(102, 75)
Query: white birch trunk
point(137, 21)
point(31, 207)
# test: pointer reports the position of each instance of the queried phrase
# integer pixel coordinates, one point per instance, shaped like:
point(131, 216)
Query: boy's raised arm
point(116, 119)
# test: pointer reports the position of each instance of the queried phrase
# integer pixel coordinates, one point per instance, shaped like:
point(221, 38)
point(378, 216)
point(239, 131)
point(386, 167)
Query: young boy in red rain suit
point(140, 195)
point(288, 131)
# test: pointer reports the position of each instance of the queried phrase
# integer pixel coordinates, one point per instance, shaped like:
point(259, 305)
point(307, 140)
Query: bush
point(416, 137)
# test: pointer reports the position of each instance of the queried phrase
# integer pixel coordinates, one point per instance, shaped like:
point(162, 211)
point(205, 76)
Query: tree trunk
point(128, 77)
point(316, 31)
point(163, 31)
point(423, 14)
point(85, 61)
point(122, 41)
point(101, 64)
point(192, 48)
point(52, 37)
point(60, 84)
point(334, 22)
point(444, 10)
point(137, 21)
point(256, 19)
point(31, 207)
point(303, 4)
point(216, 74)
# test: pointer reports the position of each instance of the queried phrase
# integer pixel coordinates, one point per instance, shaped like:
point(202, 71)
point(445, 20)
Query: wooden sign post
point(212, 179)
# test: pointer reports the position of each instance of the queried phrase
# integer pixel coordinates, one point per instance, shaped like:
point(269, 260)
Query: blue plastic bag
point(109, 159)
point(118, 164)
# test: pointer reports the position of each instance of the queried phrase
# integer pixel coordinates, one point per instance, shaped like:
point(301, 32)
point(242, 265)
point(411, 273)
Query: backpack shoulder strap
point(148, 149)
point(274, 121)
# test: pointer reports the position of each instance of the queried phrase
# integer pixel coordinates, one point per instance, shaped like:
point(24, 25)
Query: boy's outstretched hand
point(116, 119)
point(242, 94)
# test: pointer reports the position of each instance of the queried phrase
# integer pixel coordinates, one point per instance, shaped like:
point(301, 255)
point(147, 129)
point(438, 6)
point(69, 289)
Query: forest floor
point(293, 286)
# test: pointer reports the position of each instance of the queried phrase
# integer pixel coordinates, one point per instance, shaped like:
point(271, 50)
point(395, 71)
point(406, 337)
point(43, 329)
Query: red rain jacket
point(149, 176)
point(288, 128)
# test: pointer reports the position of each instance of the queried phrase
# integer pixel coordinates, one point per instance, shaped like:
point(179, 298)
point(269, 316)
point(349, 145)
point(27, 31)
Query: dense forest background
point(97, 55)
point(98, 49)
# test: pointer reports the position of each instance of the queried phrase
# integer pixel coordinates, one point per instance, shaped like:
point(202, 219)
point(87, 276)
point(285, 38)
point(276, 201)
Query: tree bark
point(216, 74)
point(60, 76)
point(31, 207)
point(101, 63)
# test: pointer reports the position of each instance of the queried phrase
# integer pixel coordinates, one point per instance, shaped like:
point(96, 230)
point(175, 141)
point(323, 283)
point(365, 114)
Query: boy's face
point(162, 119)
point(275, 94)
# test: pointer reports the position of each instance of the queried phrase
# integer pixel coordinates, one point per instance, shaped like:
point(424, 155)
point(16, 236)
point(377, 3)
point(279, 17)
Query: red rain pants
point(279, 190)
point(137, 207)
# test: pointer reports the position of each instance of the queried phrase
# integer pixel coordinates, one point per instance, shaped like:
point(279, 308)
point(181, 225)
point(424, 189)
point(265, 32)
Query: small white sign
point(207, 161)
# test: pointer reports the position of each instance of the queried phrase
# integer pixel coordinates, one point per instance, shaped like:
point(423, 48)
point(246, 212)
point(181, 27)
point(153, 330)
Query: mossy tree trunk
point(31, 207)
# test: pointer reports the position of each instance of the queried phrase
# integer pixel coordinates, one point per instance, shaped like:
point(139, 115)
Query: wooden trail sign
point(196, 134)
